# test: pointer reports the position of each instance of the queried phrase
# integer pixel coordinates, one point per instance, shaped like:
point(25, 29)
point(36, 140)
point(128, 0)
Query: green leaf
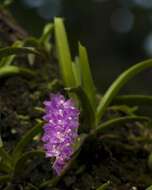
point(5, 156)
point(17, 51)
point(21, 163)
point(79, 141)
point(5, 178)
point(133, 100)
point(31, 187)
point(47, 32)
point(31, 59)
point(32, 42)
point(88, 112)
point(7, 3)
point(87, 81)
point(76, 71)
point(5, 159)
point(118, 122)
point(149, 188)
point(118, 84)
point(25, 140)
point(124, 109)
point(104, 186)
point(14, 70)
point(63, 53)
point(46, 36)
point(7, 60)
point(5, 168)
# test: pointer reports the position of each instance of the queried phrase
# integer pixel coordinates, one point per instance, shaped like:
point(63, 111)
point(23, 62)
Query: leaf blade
point(133, 100)
point(17, 51)
point(117, 122)
point(14, 70)
point(104, 186)
point(87, 81)
point(26, 139)
point(63, 52)
point(118, 84)
point(77, 72)
point(88, 111)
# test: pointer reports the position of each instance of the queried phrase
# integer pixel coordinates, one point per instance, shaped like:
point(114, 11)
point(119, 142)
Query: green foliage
point(133, 100)
point(87, 81)
point(118, 84)
point(85, 89)
point(117, 122)
point(87, 109)
point(25, 140)
point(149, 188)
point(14, 164)
point(46, 36)
point(8, 60)
point(15, 70)
point(78, 81)
point(17, 51)
point(63, 53)
point(6, 3)
point(77, 71)
point(8, 55)
point(21, 163)
point(104, 186)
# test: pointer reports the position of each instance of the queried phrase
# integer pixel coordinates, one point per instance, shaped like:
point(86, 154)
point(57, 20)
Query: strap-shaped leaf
point(17, 51)
point(25, 140)
point(5, 178)
point(5, 159)
point(88, 112)
point(31, 187)
point(21, 163)
point(130, 111)
point(14, 70)
point(45, 38)
point(5, 156)
point(31, 42)
point(5, 168)
point(133, 100)
point(87, 81)
point(63, 52)
point(104, 186)
point(79, 141)
point(118, 122)
point(149, 188)
point(77, 71)
point(48, 29)
point(7, 60)
point(118, 84)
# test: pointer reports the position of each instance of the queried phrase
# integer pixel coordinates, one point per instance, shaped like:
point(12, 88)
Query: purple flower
point(60, 131)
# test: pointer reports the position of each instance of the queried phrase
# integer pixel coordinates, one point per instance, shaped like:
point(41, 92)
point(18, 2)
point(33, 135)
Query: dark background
point(117, 33)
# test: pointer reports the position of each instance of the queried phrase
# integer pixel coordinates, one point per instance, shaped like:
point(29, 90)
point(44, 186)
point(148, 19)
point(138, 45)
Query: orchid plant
point(62, 133)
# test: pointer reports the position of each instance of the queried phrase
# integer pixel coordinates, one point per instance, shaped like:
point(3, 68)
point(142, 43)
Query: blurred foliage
point(115, 31)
